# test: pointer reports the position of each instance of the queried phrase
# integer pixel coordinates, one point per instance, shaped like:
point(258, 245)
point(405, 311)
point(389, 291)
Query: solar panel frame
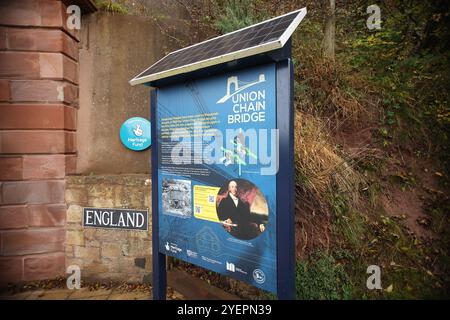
point(192, 63)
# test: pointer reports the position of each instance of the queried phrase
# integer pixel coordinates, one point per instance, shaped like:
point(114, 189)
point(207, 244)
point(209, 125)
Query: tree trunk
point(329, 31)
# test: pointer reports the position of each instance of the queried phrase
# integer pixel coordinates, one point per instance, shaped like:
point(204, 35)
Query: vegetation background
point(372, 141)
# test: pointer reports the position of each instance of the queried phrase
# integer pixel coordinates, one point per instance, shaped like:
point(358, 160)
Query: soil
point(410, 199)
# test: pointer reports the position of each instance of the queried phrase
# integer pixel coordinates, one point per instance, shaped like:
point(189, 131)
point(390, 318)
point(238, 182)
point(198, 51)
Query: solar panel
point(258, 38)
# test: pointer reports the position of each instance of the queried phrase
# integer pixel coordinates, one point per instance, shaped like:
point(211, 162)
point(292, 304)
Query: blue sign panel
point(217, 166)
point(135, 134)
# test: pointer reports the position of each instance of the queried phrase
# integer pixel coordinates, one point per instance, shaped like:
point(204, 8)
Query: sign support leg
point(285, 180)
point(159, 273)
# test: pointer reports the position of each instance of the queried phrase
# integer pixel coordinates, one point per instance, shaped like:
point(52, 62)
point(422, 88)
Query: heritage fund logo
point(172, 247)
point(138, 131)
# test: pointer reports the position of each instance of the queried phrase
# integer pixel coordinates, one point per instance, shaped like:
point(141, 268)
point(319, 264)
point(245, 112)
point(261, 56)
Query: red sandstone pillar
point(38, 108)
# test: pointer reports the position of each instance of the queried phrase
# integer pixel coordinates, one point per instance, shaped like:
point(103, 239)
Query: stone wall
point(106, 254)
point(114, 49)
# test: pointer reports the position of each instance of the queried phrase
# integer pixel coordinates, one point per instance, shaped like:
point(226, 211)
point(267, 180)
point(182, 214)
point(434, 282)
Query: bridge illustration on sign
point(233, 81)
point(238, 154)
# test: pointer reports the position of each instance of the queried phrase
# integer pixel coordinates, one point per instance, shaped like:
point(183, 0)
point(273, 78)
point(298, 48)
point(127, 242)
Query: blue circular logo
point(135, 134)
point(259, 276)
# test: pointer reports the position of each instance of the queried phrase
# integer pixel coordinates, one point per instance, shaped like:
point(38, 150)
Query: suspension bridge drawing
point(233, 81)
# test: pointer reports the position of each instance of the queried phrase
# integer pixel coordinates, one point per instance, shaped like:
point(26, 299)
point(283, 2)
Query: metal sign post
point(285, 178)
point(159, 273)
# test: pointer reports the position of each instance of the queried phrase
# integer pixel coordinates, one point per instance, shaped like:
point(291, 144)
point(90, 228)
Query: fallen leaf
point(389, 289)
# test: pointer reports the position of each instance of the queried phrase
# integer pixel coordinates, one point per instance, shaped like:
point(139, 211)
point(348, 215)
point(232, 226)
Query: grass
point(380, 83)
point(322, 278)
point(110, 6)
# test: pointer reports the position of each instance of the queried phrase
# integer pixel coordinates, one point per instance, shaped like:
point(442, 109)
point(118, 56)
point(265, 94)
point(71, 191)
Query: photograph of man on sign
point(242, 209)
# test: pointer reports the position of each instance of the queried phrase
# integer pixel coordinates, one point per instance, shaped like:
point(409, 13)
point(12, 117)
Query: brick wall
point(38, 111)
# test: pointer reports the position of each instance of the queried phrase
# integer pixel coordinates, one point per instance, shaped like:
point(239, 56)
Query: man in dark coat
point(236, 217)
